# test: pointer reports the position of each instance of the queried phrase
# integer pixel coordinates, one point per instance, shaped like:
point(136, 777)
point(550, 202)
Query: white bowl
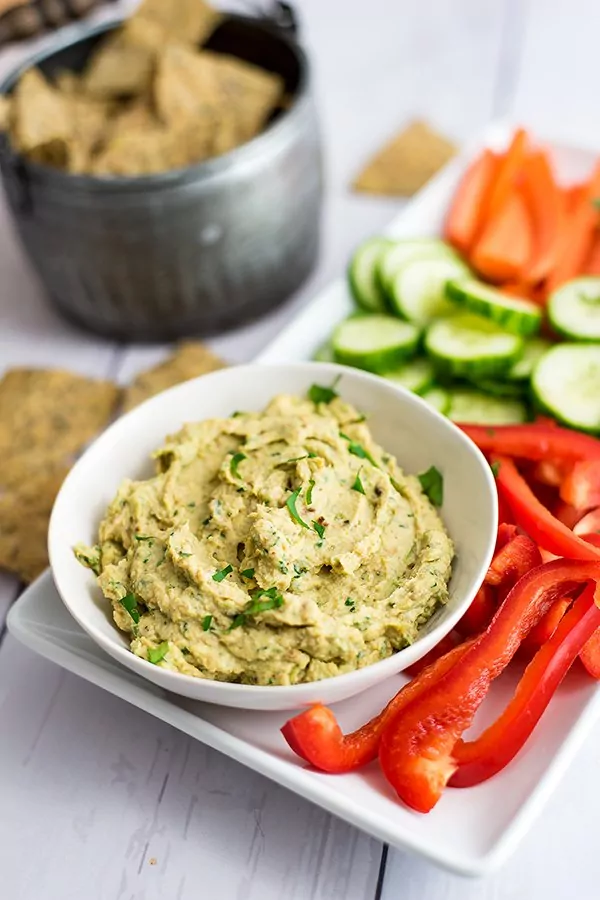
point(403, 424)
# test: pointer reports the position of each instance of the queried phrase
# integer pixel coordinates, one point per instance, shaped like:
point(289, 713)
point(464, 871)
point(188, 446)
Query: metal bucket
point(192, 251)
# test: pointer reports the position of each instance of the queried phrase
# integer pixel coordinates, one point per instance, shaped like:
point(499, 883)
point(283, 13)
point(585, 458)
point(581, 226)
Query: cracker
point(189, 360)
point(41, 123)
point(5, 112)
point(119, 68)
point(186, 86)
point(252, 92)
point(24, 516)
point(406, 163)
point(185, 21)
point(46, 417)
point(90, 121)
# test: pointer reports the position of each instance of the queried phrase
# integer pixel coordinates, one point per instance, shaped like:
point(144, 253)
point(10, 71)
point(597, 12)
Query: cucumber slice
point(471, 346)
point(574, 309)
point(416, 376)
point(362, 274)
point(418, 291)
point(438, 398)
point(376, 343)
point(533, 351)
point(497, 388)
point(566, 382)
point(518, 316)
point(400, 252)
point(478, 408)
point(324, 353)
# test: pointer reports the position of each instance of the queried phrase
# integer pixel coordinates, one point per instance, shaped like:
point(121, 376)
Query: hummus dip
point(272, 548)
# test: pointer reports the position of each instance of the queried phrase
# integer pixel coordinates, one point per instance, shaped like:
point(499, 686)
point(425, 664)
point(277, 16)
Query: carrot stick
point(573, 195)
point(546, 208)
point(508, 171)
point(502, 252)
point(464, 218)
point(592, 263)
point(578, 238)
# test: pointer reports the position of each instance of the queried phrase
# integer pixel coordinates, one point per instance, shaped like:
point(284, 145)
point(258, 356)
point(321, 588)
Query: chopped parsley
point(349, 602)
point(291, 505)
point(320, 529)
point(247, 573)
point(237, 413)
point(358, 485)
point(129, 602)
point(432, 482)
point(311, 485)
point(143, 537)
point(273, 601)
point(219, 576)
point(156, 654)
point(357, 449)
point(320, 394)
point(495, 467)
point(206, 623)
point(236, 459)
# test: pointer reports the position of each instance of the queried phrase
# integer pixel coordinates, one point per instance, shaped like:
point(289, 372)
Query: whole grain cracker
point(189, 360)
point(119, 68)
point(406, 163)
point(46, 417)
point(41, 123)
point(185, 21)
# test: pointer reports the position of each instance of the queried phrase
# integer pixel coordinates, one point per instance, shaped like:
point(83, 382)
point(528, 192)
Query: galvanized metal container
point(193, 251)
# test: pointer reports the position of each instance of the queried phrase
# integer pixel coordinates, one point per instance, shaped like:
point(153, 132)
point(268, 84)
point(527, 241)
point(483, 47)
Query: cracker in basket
point(119, 68)
point(185, 21)
point(47, 416)
point(186, 86)
point(41, 123)
point(406, 163)
point(24, 516)
point(189, 360)
point(252, 92)
point(90, 122)
point(5, 112)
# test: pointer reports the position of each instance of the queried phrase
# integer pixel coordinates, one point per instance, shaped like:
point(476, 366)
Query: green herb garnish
point(320, 529)
point(349, 602)
point(291, 505)
point(311, 485)
point(358, 485)
point(432, 482)
point(247, 573)
point(357, 449)
point(129, 602)
point(206, 622)
point(319, 394)
point(185, 651)
point(495, 467)
point(219, 576)
point(156, 654)
point(143, 537)
point(273, 601)
point(235, 461)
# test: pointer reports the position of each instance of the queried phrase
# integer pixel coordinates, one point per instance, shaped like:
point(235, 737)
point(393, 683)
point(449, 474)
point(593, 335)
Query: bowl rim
point(199, 172)
point(386, 667)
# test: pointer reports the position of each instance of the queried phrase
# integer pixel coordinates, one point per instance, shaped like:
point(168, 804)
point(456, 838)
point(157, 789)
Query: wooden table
point(102, 801)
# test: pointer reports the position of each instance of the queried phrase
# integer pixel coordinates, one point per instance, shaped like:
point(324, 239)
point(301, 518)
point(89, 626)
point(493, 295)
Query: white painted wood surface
point(100, 801)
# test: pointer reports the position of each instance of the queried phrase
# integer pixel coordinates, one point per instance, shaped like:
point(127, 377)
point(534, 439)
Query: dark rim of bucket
point(249, 151)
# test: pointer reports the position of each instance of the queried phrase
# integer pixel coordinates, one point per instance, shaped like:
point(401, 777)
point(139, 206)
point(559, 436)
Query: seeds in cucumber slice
point(477, 408)
point(515, 315)
point(566, 382)
point(362, 274)
point(400, 252)
point(470, 346)
point(574, 309)
point(438, 398)
point(324, 353)
point(376, 343)
point(416, 376)
point(418, 291)
point(533, 351)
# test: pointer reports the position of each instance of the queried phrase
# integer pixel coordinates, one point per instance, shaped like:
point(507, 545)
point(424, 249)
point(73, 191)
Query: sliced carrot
point(592, 263)
point(573, 195)
point(546, 207)
point(578, 238)
point(508, 172)
point(504, 248)
point(464, 219)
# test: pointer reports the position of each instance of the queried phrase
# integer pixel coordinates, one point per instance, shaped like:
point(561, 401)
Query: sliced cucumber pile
point(425, 323)
point(574, 309)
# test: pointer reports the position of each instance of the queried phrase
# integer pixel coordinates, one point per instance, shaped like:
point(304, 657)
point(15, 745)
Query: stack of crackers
point(46, 419)
point(148, 100)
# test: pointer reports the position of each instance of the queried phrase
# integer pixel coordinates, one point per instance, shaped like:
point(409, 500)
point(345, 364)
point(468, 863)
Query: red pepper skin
point(416, 748)
point(316, 736)
point(567, 514)
point(539, 523)
point(478, 760)
point(534, 441)
point(447, 643)
point(590, 655)
point(589, 523)
point(581, 486)
point(480, 613)
point(506, 532)
point(546, 627)
point(513, 561)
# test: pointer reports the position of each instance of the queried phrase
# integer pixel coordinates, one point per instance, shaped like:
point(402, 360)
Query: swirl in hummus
point(272, 548)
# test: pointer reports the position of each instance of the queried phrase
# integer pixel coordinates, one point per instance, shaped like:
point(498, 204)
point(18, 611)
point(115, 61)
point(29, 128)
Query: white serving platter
point(470, 831)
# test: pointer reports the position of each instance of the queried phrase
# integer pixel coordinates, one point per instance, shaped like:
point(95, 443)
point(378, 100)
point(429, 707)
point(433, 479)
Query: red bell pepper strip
point(506, 532)
point(513, 561)
point(478, 760)
point(590, 655)
point(547, 625)
point(447, 643)
point(316, 736)
point(533, 517)
point(567, 514)
point(588, 524)
point(416, 748)
point(534, 441)
point(480, 613)
point(581, 486)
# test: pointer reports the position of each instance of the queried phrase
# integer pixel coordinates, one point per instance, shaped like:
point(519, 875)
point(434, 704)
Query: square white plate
point(470, 831)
